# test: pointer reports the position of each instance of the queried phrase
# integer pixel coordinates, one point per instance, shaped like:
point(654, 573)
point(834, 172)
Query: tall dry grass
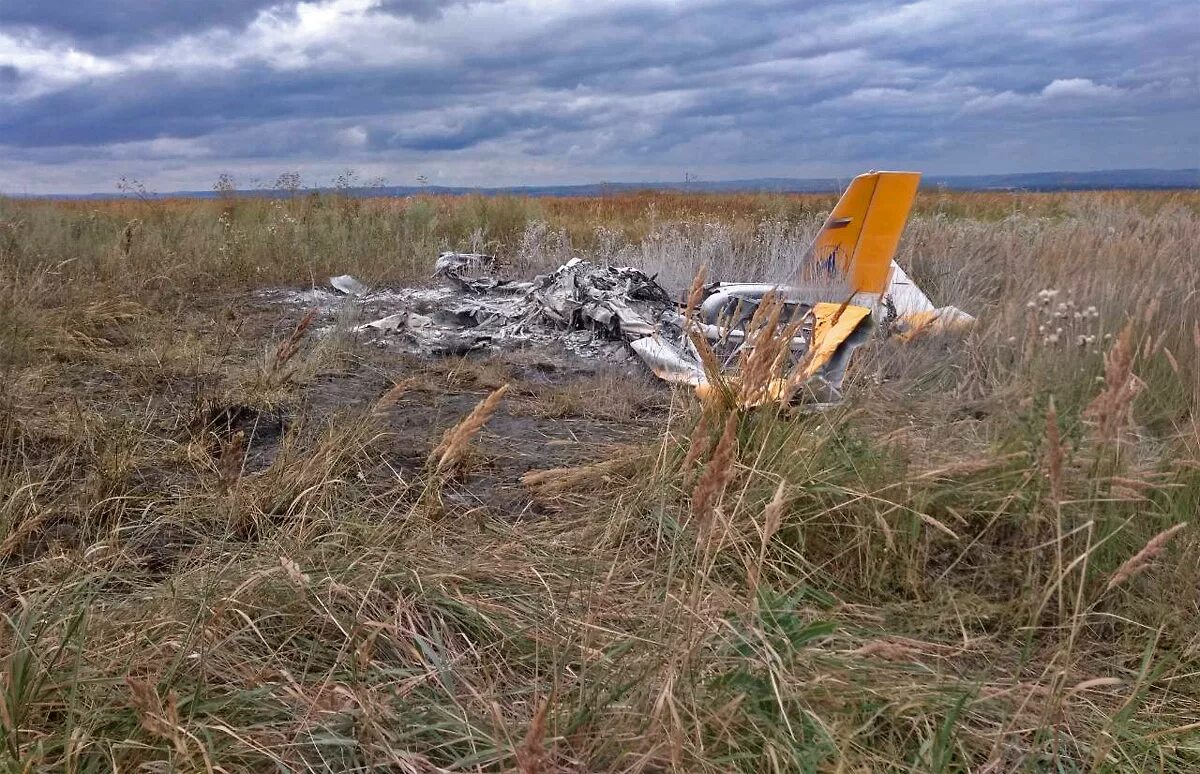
point(979, 562)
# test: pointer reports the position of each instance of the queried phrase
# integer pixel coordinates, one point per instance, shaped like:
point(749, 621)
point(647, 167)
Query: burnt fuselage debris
point(474, 273)
point(586, 309)
point(348, 286)
point(610, 312)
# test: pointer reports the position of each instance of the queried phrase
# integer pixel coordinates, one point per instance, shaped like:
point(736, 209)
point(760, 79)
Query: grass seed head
point(717, 473)
point(1142, 560)
point(1111, 411)
point(454, 444)
point(532, 755)
point(1055, 453)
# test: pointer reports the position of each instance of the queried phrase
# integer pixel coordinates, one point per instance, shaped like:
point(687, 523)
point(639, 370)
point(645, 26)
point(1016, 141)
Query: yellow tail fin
point(860, 236)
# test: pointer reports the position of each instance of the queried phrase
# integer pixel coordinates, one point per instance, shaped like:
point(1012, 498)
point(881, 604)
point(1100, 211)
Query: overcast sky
point(510, 92)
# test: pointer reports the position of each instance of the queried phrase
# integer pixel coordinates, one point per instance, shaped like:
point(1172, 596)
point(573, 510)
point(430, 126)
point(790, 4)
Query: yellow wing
point(833, 324)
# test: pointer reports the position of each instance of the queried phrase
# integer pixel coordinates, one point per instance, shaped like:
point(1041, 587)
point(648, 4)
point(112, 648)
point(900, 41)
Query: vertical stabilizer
point(860, 236)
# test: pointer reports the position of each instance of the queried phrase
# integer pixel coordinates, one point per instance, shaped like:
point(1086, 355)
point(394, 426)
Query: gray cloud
point(107, 26)
point(424, 10)
point(507, 91)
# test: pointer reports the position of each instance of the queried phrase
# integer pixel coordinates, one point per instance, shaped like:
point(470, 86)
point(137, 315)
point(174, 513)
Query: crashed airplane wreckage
point(807, 331)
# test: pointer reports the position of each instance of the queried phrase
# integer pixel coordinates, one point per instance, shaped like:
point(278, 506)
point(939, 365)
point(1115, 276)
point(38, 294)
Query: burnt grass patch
point(166, 448)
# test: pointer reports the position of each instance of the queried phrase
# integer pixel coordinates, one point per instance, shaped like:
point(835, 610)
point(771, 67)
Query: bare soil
point(534, 429)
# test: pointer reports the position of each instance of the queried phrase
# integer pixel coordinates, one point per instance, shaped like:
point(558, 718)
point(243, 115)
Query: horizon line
point(1045, 182)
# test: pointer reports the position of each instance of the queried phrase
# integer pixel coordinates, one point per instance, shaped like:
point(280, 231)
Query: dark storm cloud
point(190, 106)
point(107, 26)
point(476, 127)
point(485, 86)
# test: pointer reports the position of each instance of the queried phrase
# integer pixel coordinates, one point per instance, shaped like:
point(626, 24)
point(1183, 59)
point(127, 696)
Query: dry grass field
point(230, 541)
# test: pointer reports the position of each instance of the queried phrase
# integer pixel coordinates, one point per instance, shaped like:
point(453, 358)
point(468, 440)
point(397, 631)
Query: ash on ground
point(589, 310)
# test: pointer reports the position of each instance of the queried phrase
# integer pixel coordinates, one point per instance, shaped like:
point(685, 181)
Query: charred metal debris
point(615, 313)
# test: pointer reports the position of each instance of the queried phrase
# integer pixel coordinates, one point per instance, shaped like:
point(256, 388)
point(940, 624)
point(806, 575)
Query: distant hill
point(1025, 181)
